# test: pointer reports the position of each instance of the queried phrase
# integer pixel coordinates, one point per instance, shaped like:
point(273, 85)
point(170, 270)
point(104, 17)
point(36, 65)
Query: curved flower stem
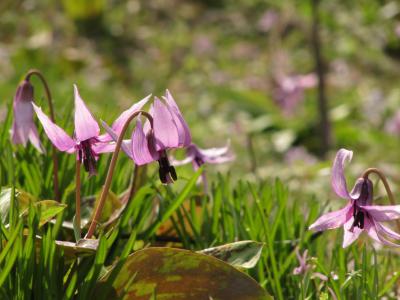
point(385, 183)
point(77, 220)
point(110, 172)
point(54, 152)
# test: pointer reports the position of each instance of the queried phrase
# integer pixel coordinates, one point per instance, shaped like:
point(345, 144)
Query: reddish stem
point(54, 151)
point(110, 173)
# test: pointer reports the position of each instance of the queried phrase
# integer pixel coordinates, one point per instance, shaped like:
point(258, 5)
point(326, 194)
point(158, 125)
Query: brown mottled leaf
point(84, 247)
point(181, 274)
point(243, 254)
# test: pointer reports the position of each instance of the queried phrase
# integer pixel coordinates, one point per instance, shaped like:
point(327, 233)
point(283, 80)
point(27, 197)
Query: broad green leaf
point(182, 274)
point(243, 254)
point(22, 197)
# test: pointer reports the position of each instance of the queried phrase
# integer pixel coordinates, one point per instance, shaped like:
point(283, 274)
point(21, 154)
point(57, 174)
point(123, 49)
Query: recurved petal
point(86, 126)
point(382, 229)
point(333, 219)
point(185, 137)
point(176, 162)
point(125, 146)
point(350, 236)
point(384, 212)
point(57, 136)
point(376, 234)
point(339, 184)
point(120, 121)
point(140, 146)
point(165, 129)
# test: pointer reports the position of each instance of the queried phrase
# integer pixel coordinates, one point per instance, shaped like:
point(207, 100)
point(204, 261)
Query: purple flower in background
point(85, 142)
point(150, 142)
point(290, 90)
point(393, 125)
point(267, 20)
point(304, 266)
point(359, 214)
point(23, 127)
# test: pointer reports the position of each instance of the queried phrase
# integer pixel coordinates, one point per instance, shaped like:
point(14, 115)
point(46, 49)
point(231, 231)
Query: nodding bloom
point(290, 90)
point(23, 127)
point(359, 214)
point(198, 157)
point(85, 142)
point(304, 266)
point(149, 142)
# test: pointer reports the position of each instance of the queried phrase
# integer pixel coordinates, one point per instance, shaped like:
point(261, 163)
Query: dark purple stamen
point(166, 171)
point(87, 156)
point(358, 218)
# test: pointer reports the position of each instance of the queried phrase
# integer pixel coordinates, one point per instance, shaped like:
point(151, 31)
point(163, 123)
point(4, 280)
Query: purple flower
point(304, 266)
point(359, 214)
point(290, 90)
point(150, 142)
point(85, 142)
point(23, 127)
point(198, 156)
point(393, 125)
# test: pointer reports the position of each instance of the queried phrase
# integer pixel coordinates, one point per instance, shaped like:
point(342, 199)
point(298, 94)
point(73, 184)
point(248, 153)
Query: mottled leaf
point(181, 274)
point(83, 247)
point(243, 254)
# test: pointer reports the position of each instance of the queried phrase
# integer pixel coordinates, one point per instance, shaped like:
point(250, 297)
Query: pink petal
point(333, 219)
point(57, 136)
point(338, 180)
point(186, 160)
point(185, 137)
point(140, 146)
point(120, 121)
point(382, 229)
point(350, 237)
point(104, 147)
point(376, 234)
point(124, 145)
point(86, 126)
point(384, 212)
point(34, 139)
point(22, 122)
point(165, 130)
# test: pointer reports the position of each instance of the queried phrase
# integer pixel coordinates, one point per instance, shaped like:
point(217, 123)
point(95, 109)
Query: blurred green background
point(224, 62)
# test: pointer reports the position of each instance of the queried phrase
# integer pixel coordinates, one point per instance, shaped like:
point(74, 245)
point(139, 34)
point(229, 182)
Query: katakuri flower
point(359, 214)
point(167, 129)
point(198, 156)
point(85, 142)
point(23, 126)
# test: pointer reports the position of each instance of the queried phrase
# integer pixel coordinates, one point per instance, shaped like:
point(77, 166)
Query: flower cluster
point(164, 129)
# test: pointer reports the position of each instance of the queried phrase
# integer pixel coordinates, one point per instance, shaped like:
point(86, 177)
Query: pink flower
point(23, 127)
point(290, 90)
point(85, 142)
point(359, 214)
point(198, 156)
point(150, 142)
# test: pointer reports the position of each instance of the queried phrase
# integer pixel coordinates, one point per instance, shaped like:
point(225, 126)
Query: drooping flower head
point(23, 126)
point(359, 214)
point(167, 129)
point(85, 142)
point(198, 156)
